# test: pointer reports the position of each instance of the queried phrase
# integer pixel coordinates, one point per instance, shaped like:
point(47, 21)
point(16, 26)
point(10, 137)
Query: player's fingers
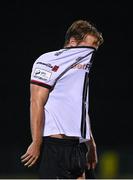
point(26, 158)
point(88, 165)
point(33, 162)
point(29, 161)
point(25, 155)
point(93, 165)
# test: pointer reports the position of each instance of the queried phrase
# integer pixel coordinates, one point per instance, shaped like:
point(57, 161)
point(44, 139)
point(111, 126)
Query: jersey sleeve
point(43, 74)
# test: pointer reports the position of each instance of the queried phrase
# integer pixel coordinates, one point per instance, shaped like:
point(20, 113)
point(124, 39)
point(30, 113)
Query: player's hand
point(31, 156)
point(92, 155)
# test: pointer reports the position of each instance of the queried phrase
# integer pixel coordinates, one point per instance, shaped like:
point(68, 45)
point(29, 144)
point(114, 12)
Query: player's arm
point(39, 96)
point(93, 152)
point(92, 155)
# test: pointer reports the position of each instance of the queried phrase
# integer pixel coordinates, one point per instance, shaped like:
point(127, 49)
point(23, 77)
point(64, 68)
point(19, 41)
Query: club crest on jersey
point(55, 68)
point(42, 74)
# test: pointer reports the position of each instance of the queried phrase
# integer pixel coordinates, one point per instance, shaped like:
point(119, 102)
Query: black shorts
point(62, 158)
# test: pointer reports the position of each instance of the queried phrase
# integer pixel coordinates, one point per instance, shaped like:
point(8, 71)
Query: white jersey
point(66, 110)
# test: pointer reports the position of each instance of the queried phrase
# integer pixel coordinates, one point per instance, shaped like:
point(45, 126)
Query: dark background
point(31, 28)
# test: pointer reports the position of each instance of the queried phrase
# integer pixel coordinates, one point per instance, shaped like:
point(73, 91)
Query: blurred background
point(31, 28)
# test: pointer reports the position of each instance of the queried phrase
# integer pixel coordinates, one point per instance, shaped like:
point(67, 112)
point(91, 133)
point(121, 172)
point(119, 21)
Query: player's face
point(89, 40)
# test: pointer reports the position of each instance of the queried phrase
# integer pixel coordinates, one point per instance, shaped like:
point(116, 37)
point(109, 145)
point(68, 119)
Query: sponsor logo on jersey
point(82, 66)
point(45, 64)
point(42, 74)
point(54, 68)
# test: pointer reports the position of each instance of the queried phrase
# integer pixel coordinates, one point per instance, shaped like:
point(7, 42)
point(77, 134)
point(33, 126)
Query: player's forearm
point(37, 121)
point(92, 139)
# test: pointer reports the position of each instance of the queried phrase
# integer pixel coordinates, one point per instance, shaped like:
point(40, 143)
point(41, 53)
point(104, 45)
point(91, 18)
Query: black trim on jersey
point(40, 84)
point(83, 117)
point(71, 47)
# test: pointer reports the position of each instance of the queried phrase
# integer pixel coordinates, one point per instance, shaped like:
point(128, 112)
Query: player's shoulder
point(48, 56)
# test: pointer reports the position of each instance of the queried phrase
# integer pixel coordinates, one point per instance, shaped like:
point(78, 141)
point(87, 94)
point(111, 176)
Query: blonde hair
point(79, 29)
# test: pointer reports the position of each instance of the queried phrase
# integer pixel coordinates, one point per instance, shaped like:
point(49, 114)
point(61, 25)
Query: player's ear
point(72, 41)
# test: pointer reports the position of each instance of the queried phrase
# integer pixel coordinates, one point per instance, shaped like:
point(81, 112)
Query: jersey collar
point(72, 47)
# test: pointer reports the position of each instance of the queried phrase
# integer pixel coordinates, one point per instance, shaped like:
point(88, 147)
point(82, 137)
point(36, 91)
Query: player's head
point(82, 32)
